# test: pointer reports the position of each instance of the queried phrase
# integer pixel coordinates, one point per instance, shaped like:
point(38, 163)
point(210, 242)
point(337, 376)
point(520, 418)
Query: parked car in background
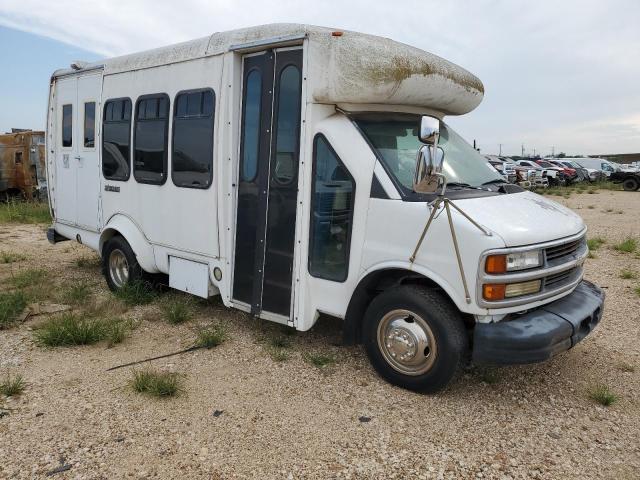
point(569, 172)
point(507, 169)
point(625, 167)
point(540, 178)
point(582, 173)
point(555, 174)
point(598, 164)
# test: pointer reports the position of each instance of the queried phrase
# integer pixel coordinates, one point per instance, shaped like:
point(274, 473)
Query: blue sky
point(556, 73)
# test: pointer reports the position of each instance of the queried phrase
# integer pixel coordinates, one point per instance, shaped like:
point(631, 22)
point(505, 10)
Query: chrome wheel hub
point(118, 268)
point(407, 342)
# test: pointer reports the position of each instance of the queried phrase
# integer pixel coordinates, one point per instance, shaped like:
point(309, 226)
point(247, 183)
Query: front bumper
point(540, 334)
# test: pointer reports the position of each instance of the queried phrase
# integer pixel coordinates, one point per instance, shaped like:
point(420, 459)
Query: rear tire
point(630, 184)
point(415, 338)
point(119, 264)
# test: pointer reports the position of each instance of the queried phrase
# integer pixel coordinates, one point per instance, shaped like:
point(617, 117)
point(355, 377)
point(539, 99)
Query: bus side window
point(192, 149)
point(332, 197)
point(116, 139)
point(150, 139)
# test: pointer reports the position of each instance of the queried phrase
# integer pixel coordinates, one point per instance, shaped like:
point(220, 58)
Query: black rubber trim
point(540, 334)
point(377, 190)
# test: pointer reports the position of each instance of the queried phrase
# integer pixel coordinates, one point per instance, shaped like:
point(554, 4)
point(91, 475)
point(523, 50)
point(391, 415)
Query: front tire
point(630, 184)
point(415, 338)
point(119, 264)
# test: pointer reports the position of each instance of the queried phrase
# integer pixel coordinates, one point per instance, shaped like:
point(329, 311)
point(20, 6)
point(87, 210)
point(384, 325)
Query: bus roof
point(343, 67)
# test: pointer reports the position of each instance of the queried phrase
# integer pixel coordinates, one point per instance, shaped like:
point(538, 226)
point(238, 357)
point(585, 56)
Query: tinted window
point(116, 144)
point(150, 139)
point(67, 125)
point(251, 116)
point(333, 197)
point(192, 155)
point(89, 124)
point(287, 126)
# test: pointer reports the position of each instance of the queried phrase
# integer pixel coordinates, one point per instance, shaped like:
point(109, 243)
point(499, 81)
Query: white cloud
point(556, 73)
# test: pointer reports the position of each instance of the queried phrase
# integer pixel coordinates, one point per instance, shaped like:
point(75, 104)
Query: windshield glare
point(394, 137)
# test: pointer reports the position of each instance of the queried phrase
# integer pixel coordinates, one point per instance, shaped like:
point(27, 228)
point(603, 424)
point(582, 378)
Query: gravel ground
point(292, 419)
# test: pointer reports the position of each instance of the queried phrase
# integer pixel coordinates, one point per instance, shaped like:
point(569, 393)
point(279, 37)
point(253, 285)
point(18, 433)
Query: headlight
point(500, 291)
point(513, 261)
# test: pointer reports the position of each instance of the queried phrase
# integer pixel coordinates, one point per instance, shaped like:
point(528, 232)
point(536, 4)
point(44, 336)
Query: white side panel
point(188, 276)
point(184, 219)
point(65, 157)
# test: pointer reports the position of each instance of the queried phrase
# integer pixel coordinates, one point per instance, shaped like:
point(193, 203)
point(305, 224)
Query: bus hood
point(523, 218)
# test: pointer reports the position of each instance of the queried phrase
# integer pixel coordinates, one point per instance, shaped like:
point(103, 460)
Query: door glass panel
point(67, 125)
point(287, 128)
point(251, 116)
point(116, 133)
point(89, 124)
point(333, 198)
point(150, 140)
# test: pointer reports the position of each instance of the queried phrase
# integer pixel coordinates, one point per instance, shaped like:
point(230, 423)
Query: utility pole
point(553, 151)
point(522, 155)
point(500, 145)
point(534, 153)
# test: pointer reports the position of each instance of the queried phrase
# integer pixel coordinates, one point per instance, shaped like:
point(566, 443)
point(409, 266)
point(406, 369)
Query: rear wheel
point(119, 264)
point(630, 184)
point(415, 338)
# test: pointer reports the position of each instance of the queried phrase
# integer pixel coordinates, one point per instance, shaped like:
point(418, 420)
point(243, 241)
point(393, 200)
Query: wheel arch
point(374, 283)
point(126, 228)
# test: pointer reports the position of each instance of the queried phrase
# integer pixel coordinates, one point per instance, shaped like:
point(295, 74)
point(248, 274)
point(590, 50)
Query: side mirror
point(428, 169)
point(430, 158)
point(429, 130)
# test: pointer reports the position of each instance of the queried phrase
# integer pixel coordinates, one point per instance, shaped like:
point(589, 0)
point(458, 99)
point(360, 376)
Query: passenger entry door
point(66, 150)
point(268, 181)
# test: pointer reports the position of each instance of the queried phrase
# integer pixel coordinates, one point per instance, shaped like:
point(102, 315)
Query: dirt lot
point(292, 419)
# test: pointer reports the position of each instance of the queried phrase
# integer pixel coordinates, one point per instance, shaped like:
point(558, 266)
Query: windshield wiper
point(495, 180)
point(462, 185)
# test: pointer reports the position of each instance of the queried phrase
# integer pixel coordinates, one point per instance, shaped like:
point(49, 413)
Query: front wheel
point(630, 184)
point(415, 338)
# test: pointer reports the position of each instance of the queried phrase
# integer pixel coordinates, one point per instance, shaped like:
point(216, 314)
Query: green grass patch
point(10, 257)
point(156, 384)
point(637, 291)
point(212, 336)
point(279, 354)
point(70, 329)
point(595, 243)
point(77, 294)
point(12, 386)
point(11, 305)
point(29, 278)
point(628, 274)
point(89, 262)
point(320, 360)
point(136, 293)
point(603, 395)
point(628, 245)
point(177, 309)
point(24, 212)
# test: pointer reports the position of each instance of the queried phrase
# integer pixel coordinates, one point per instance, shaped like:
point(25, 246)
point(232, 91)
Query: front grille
point(556, 280)
point(564, 250)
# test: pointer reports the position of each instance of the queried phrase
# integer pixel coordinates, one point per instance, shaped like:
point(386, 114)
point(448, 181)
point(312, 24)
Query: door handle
point(78, 157)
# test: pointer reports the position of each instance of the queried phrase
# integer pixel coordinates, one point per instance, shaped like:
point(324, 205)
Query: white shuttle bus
point(296, 171)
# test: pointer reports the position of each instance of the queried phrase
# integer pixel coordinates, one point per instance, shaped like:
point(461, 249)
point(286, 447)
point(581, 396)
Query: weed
point(29, 277)
point(628, 245)
point(603, 395)
point(136, 293)
point(620, 212)
point(156, 384)
point(177, 309)
point(626, 367)
point(11, 305)
point(591, 255)
point(591, 207)
point(595, 243)
point(24, 212)
point(280, 341)
point(116, 331)
point(637, 291)
point(211, 336)
point(77, 294)
point(320, 360)
point(279, 354)
point(627, 274)
point(12, 385)
point(89, 262)
point(9, 257)
point(490, 376)
point(591, 191)
point(70, 329)
point(608, 210)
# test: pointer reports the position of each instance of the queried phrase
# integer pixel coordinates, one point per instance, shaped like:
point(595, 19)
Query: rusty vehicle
point(22, 164)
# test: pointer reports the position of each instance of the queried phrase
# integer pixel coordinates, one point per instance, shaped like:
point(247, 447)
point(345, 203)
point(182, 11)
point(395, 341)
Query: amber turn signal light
point(494, 291)
point(496, 264)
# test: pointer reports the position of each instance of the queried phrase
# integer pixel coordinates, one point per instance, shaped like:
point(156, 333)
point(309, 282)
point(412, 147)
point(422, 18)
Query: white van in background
point(298, 170)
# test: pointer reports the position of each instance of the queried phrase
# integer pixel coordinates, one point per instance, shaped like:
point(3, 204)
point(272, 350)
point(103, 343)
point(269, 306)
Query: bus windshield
point(394, 137)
